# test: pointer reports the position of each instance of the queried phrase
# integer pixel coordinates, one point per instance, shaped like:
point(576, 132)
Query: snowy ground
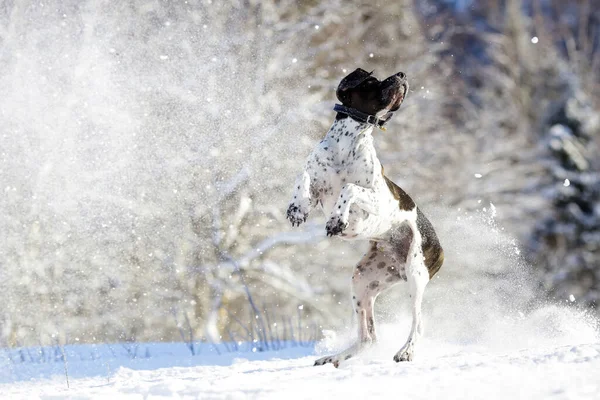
point(441, 371)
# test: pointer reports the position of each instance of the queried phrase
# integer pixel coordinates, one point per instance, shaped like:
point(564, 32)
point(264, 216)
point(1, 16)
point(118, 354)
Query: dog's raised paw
point(335, 226)
point(296, 215)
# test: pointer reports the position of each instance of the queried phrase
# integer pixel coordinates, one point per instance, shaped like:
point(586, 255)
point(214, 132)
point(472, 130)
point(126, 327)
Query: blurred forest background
point(148, 149)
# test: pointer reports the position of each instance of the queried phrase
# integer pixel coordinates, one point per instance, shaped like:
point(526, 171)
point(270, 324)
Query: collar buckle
point(373, 120)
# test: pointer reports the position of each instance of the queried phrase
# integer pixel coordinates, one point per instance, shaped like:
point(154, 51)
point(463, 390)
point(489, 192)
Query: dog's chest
point(345, 155)
point(353, 157)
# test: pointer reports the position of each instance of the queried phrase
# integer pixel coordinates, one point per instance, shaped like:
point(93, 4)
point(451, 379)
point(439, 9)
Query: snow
point(557, 373)
point(443, 369)
point(486, 336)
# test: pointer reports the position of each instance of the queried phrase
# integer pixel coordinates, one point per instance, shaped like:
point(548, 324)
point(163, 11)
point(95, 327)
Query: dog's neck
point(347, 139)
point(349, 128)
point(378, 119)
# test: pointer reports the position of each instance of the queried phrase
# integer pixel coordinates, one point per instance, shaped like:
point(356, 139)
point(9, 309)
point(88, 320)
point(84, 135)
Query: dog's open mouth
point(398, 99)
point(396, 91)
point(402, 91)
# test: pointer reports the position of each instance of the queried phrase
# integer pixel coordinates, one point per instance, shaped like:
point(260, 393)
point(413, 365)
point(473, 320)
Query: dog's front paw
point(296, 214)
point(335, 226)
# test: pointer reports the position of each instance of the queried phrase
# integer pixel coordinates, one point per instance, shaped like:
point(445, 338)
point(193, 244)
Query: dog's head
point(362, 91)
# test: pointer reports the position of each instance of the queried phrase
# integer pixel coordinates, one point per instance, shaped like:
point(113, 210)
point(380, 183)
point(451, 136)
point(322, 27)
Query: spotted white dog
point(344, 176)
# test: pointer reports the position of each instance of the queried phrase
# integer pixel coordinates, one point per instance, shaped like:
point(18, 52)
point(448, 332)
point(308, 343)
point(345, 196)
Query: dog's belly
point(362, 225)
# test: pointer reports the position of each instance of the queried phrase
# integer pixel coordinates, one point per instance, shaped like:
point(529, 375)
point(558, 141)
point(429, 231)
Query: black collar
point(360, 116)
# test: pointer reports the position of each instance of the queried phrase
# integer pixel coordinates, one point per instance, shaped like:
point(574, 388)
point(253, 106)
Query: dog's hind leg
point(377, 271)
point(417, 277)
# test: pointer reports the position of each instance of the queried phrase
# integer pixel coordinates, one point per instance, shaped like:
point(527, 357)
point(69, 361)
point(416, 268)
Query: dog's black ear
point(351, 81)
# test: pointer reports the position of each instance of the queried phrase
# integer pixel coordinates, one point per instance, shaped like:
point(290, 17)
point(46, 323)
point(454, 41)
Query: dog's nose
point(401, 75)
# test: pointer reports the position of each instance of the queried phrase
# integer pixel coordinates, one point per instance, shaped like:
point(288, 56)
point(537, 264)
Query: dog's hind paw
point(403, 357)
point(296, 215)
point(323, 361)
point(335, 226)
point(406, 353)
point(335, 360)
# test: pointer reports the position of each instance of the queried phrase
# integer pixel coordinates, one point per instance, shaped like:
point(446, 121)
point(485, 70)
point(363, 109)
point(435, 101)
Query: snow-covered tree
point(148, 148)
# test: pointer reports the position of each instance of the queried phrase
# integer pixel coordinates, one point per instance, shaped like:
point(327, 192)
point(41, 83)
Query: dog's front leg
point(301, 203)
point(351, 194)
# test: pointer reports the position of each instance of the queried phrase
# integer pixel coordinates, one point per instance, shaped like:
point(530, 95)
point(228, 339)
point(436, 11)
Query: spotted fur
point(344, 176)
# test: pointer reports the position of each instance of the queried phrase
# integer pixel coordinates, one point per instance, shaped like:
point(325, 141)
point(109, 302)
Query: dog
point(345, 178)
